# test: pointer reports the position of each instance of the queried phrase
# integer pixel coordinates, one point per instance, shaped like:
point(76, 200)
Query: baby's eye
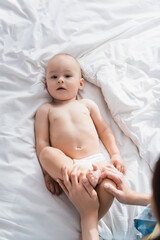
point(67, 76)
point(54, 76)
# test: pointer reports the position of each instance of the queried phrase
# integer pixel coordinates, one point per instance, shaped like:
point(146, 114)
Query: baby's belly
point(78, 148)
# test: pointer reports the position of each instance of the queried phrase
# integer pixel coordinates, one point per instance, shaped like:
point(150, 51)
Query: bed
point(118, 46)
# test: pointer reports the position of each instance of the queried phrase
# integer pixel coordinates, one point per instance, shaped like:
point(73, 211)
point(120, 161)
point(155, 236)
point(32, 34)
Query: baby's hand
point(118, 163)
point(52, 185)
point(94, 175)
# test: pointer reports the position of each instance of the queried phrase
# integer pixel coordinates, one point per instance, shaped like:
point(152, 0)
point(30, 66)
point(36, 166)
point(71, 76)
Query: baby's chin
point(64, 99)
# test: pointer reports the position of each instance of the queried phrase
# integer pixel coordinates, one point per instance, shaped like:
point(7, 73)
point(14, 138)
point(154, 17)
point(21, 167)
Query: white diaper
point(86, 163)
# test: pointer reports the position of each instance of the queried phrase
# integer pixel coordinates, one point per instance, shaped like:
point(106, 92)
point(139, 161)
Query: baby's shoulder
point(44, 108)
point(88, 102)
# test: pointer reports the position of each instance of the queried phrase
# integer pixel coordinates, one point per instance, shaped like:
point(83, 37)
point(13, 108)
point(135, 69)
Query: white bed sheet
point(117, 44)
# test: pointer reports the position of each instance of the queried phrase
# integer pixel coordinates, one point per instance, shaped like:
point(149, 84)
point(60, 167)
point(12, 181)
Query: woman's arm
point(84, 197)
point(89, 228)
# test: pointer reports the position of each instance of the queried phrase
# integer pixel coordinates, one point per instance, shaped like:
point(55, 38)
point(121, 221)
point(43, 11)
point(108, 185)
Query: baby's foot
point(94, 175)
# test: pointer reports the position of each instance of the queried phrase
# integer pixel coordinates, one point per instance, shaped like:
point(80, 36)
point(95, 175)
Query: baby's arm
point(42, 143)
point(106, 135)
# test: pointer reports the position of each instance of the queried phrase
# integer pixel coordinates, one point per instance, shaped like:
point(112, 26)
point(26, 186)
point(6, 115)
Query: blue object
point(145, 222)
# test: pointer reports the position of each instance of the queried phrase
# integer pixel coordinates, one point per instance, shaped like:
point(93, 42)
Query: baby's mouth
point(60, 88)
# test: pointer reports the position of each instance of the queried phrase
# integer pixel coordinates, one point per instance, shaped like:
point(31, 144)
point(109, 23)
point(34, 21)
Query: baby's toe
point(92, 180)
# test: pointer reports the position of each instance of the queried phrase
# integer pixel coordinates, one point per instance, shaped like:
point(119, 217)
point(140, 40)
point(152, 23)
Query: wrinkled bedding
point(117, 45)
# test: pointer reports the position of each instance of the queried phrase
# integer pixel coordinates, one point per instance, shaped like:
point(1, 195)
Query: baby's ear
point(81, 84)
point(45, 82)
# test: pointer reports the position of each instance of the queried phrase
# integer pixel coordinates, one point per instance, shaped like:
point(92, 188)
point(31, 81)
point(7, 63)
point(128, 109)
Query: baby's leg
point(53, 159)
point(105, 198)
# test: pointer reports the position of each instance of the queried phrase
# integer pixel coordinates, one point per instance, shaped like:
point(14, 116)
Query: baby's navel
point(78, 148)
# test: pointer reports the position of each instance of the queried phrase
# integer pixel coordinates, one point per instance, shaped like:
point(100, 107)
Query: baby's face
point(63, 77)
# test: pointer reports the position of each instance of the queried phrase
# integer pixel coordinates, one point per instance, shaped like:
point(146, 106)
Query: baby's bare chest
point(69, 115)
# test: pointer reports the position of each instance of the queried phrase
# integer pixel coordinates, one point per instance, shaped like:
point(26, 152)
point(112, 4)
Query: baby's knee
point(101, 186)
point(49, 154)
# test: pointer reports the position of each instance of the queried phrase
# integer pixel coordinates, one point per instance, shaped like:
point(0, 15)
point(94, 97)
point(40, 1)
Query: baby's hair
point(67, 54)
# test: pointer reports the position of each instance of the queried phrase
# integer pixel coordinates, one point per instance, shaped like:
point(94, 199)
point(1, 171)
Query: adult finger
point(66, 179)
point(81, 177)
point(62, 185)
point(112, 169)
point(111, 166)
point(113, 176)
point(89, 188)
point(74, 175)
point(113, 190)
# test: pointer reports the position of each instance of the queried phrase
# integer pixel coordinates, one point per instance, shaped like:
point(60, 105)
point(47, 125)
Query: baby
point(68, 130)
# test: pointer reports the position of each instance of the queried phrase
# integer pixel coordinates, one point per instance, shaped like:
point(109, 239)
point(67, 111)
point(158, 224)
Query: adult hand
point(80, 192)
point(121, 191)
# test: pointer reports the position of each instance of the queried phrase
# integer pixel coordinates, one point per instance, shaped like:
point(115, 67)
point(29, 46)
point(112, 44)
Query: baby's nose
point(60, 80)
